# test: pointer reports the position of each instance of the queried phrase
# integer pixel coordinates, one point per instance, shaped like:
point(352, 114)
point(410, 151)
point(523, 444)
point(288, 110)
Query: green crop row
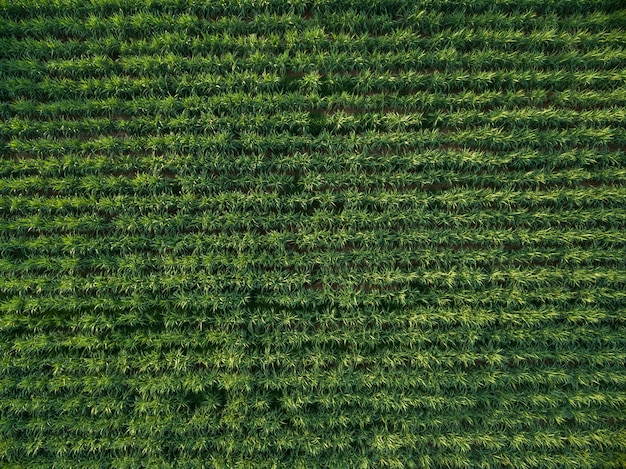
point(442, 10)
point(336, 22)
point(283, 183)
point(302, 122)
point(239, 104)
point(306, 166)
point(217, 58)
point(483, 137)
point(210, 84)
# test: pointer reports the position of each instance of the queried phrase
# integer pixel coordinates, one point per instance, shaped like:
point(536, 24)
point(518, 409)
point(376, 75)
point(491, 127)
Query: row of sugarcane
point(215, 55)
point(319, 139)
point(122, 181)
point(310, 82)
point(238, 103)
point(301, 122)
point(425, 17)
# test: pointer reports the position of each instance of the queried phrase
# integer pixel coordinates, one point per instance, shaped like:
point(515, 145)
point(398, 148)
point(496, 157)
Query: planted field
point(312, 234)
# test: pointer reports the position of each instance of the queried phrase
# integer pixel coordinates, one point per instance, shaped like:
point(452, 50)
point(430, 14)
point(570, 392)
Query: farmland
point(313, 234)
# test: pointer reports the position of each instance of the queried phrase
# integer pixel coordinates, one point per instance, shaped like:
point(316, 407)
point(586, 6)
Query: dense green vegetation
point(300, 234)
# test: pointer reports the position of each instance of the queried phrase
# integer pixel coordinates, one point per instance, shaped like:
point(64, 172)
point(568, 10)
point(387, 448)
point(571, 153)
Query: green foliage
point(329, 233)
